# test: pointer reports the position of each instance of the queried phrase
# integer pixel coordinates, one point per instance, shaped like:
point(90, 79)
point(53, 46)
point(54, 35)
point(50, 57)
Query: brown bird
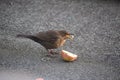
point(50, 39)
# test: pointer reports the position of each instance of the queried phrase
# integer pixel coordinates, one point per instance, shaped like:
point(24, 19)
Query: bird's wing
point(49, 36)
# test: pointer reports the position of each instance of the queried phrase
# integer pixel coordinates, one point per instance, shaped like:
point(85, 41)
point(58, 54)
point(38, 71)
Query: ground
point(95, 24)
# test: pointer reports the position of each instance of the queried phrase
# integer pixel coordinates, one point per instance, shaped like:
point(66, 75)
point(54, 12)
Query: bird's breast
point(62, 42)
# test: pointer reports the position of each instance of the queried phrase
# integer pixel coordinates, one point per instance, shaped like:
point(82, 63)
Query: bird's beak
point(71, 36)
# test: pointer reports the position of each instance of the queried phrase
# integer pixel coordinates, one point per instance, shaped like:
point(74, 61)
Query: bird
point(50, 39)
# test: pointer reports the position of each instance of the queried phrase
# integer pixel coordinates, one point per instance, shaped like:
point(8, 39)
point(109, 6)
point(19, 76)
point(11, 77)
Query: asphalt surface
point(95, 23)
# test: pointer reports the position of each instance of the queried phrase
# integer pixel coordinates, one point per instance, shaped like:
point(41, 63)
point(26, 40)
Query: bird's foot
point(52, 52)
point(50, 55)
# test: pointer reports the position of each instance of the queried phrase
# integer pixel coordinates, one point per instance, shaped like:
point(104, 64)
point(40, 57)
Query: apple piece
point(68, 56)
point(39, 79)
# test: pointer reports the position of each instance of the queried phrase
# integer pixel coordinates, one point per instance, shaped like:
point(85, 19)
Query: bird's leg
point(50, 51)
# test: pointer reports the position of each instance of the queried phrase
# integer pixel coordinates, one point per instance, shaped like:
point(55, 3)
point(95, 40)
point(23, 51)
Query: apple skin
point(67, 57)
point(39, 79)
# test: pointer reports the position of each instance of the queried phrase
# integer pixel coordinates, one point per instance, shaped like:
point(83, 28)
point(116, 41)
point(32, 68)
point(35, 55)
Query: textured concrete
point(95, 23)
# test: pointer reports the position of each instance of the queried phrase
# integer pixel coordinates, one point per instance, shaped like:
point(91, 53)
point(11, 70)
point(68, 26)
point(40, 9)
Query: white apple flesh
point(68, 56)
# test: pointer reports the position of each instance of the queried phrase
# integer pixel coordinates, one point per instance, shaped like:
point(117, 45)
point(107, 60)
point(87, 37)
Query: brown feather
point(50, 39)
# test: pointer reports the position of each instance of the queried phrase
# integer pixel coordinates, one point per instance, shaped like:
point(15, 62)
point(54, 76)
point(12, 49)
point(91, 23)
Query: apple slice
point(39, 79)
point(68, 56)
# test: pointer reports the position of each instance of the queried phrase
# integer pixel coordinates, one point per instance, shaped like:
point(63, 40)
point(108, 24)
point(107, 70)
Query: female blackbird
point(50, 39)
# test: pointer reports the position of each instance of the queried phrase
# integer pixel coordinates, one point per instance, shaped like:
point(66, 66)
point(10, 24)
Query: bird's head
point(66, 35)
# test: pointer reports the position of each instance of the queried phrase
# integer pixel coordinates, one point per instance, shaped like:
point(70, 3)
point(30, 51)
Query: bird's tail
point(32, 37)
